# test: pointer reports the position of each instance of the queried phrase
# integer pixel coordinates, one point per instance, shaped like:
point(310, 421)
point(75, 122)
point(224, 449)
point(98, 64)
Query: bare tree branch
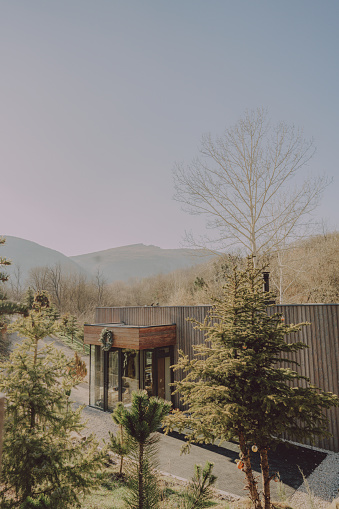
point(245, 184)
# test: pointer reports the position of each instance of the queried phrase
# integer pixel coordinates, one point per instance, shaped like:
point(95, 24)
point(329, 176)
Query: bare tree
point(100, 283)
point(247, 185)
point(55, 283)
point(38, 278)
point(16, 283)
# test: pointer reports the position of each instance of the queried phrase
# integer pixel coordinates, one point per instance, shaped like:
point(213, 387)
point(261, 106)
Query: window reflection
point(113, 380)
point(130, 374)
point(97, 377)
point(148, 372)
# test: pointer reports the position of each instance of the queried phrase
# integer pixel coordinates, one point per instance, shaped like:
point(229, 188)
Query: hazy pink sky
point(99, 99)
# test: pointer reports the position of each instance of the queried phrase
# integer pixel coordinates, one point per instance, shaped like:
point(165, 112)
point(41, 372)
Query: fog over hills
point(116, 264)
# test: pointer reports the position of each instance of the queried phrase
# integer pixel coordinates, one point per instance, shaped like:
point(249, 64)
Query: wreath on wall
point(106, 338)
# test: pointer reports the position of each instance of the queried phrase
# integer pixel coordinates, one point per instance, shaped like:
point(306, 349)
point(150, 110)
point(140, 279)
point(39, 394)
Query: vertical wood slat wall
point(319, 362)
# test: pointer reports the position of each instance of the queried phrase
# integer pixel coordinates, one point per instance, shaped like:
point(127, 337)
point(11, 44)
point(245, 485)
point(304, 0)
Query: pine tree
point(44, 464)
point(141, 422)
point(120, 443)
point(69, 326)
point(199, 491)
point(235, 386)
point(7, 307)
point(29, 298)
point(39, 323)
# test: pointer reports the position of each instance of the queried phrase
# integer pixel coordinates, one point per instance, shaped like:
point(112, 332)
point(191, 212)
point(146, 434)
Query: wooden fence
point(319, 362)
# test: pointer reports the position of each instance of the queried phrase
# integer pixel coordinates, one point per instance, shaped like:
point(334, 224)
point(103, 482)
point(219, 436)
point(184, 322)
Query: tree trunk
point(35, 352)
point(265, 477)
point(122, 444)
point(251, 482)
point(281, 276)
point(141, 478)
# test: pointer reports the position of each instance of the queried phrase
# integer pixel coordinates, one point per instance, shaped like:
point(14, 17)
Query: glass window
point(96, 394)
point(113, 380)
point(168, 388)
point(148, 372)
point(130, 374)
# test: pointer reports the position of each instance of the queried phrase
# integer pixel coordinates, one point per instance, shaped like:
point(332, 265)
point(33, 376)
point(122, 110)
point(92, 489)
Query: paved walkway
point(230, 479)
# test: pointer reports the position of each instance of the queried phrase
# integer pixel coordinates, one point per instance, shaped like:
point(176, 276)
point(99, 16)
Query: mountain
point(116, 264)
point(26, 255)
point(138, 260)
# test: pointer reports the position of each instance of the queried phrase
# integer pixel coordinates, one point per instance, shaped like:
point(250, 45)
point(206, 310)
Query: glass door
point(164, 377)
point(157, 373)
point(113, 380)
point(129, 374)
point(149, 384)
point(96, 394)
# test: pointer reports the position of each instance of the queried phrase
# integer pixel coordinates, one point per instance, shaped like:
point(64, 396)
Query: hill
point(116, 264)
point(26, 255)
point(138, 261)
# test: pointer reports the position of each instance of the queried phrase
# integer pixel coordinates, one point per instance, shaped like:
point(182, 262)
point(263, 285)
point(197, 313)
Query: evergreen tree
point(141, 422)
point(39, 323)
point(29, 298)
point(236, 388)
point(69, 326)
point(44, 464)
point(7, 307)
point(121, 443)
point(199, 491)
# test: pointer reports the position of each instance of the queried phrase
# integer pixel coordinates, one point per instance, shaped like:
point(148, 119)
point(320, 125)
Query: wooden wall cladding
point(319, 362)
point(137, 338)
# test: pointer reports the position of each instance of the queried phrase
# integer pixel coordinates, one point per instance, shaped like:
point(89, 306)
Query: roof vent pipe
point(266, 278)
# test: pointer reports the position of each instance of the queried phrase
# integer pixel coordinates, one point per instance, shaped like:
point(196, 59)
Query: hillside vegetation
point(307, 272)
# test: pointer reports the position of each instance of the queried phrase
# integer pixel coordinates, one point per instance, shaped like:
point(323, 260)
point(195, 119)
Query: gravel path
point(321, 486)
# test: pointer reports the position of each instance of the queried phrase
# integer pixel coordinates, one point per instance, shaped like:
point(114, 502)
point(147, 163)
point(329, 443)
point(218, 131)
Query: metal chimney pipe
point(266, 278)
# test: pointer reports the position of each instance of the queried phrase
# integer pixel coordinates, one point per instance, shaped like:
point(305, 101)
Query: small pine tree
point(43, 465)
point(140, 422)
point(29, 298)
point(72, 327)
point(39, 323)
point(7, 307)
point(235, 387)
point(120, 443)
point(199, 491)
point(69, 326)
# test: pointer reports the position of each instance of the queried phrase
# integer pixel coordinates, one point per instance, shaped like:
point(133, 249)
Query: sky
point(100, 99)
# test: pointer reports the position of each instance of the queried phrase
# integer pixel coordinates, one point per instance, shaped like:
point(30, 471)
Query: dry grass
point(112, 489)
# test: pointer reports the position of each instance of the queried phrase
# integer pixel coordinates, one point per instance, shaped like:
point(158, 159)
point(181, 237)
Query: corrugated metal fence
point(319, 362)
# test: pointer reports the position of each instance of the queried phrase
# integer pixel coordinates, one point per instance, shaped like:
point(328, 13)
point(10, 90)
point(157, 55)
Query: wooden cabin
point(146, 341)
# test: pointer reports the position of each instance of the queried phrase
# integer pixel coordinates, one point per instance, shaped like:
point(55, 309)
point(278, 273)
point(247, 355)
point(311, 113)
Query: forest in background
point(305, 272)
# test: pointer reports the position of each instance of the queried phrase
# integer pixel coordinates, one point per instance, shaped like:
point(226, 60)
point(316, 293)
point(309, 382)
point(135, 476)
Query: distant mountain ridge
point(137, 261)
point(28, 255)
point(115, 264)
